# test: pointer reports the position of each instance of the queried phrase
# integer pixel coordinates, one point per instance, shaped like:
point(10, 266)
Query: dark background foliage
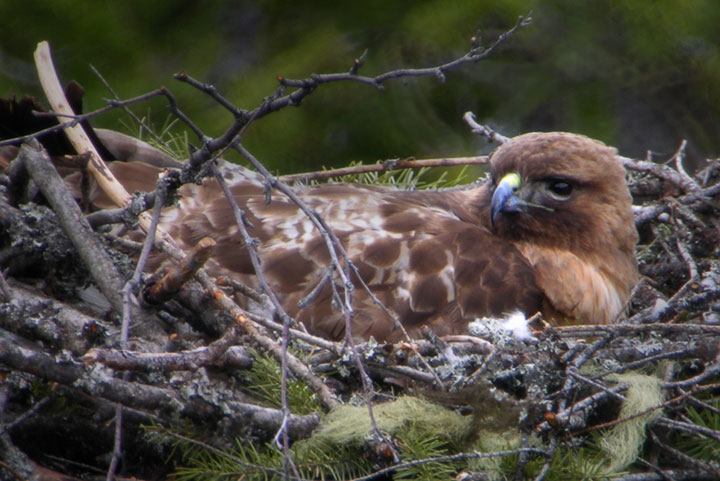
point(638, 75)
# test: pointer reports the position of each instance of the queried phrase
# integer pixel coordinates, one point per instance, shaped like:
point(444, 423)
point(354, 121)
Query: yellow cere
point(512, 179)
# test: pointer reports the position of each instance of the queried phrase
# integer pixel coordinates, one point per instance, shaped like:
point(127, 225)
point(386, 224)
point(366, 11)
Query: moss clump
point(350, 425)
point(623, 443)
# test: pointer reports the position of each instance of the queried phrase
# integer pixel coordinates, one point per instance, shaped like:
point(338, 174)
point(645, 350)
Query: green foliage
point(705, 448)
point(254, 461)
point(331, 461)
point(417, 443)
point(424, 178)
point(264, 382)
point(336, 452)
point(245, 461)
point(165, 137)
point(262, 463)
point(583, 463)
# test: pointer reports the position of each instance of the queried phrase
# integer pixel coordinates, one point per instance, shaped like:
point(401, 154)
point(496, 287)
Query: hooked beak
point(505, 199)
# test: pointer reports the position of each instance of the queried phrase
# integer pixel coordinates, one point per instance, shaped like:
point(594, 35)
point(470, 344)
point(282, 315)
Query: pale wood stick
point(79, 139)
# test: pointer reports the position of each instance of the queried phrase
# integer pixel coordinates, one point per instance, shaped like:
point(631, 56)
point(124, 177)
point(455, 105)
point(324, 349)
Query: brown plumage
point(557, 236)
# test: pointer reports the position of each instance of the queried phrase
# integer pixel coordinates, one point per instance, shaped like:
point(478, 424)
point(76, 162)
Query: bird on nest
point(551, 230)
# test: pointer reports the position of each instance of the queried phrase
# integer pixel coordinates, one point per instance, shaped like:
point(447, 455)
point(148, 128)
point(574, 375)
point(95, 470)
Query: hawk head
point(562, 200)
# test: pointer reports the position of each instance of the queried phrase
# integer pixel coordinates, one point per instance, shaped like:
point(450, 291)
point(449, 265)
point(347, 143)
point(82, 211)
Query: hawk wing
point(425, 263)
point(435, 258)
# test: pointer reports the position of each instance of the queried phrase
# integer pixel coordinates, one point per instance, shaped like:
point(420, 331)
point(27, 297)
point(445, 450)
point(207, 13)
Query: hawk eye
point(560, 188)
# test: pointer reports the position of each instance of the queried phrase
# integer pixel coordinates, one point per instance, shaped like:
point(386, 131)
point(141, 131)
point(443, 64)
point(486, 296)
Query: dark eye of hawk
point(560, 189)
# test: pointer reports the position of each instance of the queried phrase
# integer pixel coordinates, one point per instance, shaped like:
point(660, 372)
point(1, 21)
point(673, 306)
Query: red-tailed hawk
point(551, 230)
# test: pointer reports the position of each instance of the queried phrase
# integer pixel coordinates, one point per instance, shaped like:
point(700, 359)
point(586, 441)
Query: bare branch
point(174, 276)
point(483, 130)
point(661, 171)
point(215, 353)
point(475, 54)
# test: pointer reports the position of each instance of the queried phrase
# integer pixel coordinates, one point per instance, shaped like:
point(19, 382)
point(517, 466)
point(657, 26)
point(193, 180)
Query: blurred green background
point(640, 75)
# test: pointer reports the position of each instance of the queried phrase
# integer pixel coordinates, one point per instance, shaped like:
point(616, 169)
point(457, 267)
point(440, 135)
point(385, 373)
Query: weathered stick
point(73, 221)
